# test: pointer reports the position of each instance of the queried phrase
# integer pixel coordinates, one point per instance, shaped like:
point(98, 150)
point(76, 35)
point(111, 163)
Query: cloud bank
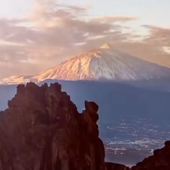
point(54, 32)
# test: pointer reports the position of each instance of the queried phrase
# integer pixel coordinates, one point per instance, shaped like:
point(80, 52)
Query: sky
point(38, 34)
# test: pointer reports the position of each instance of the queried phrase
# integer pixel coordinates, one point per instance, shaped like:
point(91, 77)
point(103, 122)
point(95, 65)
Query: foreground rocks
point(114, 166)
point(42, 130)
point(159, 161)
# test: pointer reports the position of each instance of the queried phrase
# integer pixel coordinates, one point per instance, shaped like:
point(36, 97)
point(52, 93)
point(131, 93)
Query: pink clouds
point(158, 36)
point(51, 33)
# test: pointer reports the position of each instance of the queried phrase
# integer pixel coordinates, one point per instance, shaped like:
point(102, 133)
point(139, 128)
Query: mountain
point(103, 63)
point(137, 115)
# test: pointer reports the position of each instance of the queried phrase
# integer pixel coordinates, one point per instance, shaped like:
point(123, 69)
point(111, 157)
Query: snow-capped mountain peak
point(102, 63)
point(105, 46)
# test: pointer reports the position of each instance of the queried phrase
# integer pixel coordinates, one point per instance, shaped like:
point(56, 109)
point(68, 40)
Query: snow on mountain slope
point(102, 63)
point(16, 79)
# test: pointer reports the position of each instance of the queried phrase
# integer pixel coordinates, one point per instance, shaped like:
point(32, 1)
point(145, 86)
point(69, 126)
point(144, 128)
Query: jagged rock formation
point(42, 130)
point(159, 161)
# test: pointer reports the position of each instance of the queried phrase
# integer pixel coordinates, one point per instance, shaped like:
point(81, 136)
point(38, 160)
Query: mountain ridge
point(101, 63)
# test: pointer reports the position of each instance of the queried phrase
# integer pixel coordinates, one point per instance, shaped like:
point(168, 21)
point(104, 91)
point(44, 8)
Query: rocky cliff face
point(42, 130)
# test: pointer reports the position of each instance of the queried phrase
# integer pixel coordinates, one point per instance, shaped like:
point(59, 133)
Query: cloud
point(52, 33)
point(166, 49)
point(158, 36)
point(114, 18)
point(153, 48)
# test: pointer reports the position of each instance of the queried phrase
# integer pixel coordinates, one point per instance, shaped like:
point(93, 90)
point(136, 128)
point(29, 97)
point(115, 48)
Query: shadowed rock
point(42, 130)
point(159, 161)
point(114, 166)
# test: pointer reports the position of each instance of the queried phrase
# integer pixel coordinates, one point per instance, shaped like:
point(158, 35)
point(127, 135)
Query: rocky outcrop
point(42, 130)
point(159, 161)
point(114, 166)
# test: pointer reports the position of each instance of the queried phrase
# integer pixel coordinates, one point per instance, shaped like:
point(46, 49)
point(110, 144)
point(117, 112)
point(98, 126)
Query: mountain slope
point(102, 63)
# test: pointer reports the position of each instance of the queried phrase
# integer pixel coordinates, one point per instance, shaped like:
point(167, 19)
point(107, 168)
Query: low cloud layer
point(53, 32)
point(158, 36)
